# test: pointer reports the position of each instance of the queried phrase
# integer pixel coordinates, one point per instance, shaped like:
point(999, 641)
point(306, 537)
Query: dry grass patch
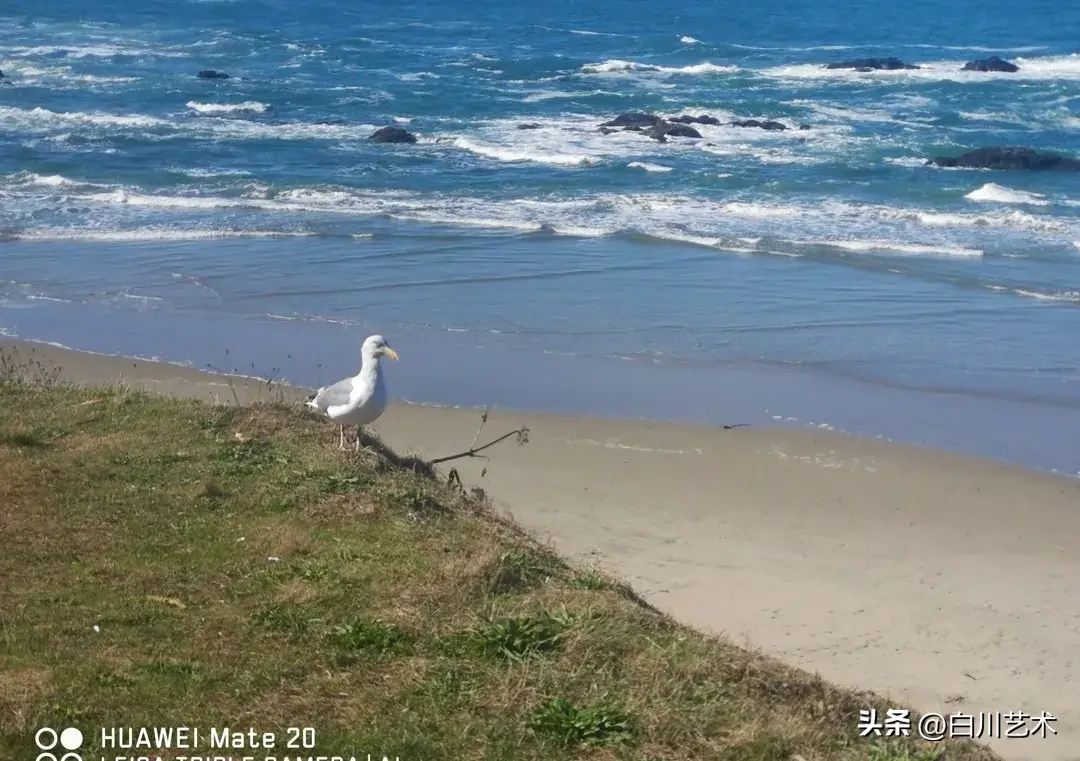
point(239, 569)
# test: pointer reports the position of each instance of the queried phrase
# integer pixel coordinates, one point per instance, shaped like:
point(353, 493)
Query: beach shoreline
point(941, 580)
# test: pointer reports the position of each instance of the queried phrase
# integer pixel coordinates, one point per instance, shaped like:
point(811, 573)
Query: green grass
point(240, 571)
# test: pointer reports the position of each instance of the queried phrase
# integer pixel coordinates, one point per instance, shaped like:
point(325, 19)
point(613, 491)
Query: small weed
point(210, 490)
point(23, 441)
point(518, 570)
point(590, 580)
point(519, 638)
point(28, 371)
point(212, 425)
point(241, 457)
point(288, 619)
point(564, 724)
point(172, 667)
point(39, 438)
point(340, 484)
point(370, 638)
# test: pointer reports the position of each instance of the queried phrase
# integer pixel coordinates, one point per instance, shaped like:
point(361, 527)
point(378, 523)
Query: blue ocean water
point(821, 276)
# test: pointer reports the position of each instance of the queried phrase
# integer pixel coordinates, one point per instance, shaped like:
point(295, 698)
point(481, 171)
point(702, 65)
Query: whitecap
point(993, 193)
point(648, 167)
point(915, 249)
point(252, 106)
point(615, 66)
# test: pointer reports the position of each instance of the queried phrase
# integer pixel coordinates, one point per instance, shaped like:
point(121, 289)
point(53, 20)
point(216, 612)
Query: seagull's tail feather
point(312, 400)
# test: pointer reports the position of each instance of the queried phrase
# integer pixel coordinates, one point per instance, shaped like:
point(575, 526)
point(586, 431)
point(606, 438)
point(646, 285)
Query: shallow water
point(815, 277)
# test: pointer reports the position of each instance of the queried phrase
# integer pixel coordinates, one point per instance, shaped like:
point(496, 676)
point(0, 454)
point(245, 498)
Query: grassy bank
point(166, 562)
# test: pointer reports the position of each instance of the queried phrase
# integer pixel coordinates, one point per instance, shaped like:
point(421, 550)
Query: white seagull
point(359, 400)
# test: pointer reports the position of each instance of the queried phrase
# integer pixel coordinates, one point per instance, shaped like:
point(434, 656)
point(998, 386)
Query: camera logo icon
point(48, 738)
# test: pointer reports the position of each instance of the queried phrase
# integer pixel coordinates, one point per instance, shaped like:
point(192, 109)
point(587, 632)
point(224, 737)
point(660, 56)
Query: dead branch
point(474, 451)
point(521, 433)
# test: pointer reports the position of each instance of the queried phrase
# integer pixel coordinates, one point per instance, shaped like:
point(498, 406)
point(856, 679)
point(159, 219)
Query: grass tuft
point(370, 638)
point(561, 722)
point(521, 569)
point(519, 638)
point(591, 580)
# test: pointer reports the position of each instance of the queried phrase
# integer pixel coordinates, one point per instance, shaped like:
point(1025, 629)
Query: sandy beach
point(943, 581)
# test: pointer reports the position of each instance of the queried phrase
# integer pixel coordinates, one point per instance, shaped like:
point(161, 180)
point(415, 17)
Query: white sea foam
point(147, 234)
point(250, 106)
point(993, 193)
point(519, 155)
point(417, 76)
point(100, 50)
point(41, 120)
point(724, 224)
point(688, 40)
point(907, 161)
point(37, 119)
point(202, 172)
point(915, 249)
point(1063, 67)
point(42, 180)
point(648, 167)
point(846, 114)
point(542, 95)
point(616, 66)
point(1073, 296)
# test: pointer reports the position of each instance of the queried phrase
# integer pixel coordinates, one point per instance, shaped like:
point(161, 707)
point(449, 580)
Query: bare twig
point(474, 451)
point(483, 419)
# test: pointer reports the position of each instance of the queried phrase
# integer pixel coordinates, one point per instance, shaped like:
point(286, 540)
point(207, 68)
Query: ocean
point(516, 255)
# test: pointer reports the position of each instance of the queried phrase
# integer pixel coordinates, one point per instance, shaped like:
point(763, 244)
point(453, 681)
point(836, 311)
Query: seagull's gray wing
point(333, 396)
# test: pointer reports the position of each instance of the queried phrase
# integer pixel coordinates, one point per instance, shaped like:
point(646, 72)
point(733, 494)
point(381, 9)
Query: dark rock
point(664, 130)
point(634, 119)
point(1, 75)
point(608, 130)
point(212, 74)
point(530, 125)
point(703, 119)
point(871, 64)
point(392, 135)
point(993, 63)
point(769, 125)
point(804, 126)
point(1008, 158)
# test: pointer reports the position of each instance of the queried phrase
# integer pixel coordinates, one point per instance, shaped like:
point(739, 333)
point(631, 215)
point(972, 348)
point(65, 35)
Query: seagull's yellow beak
point(391, 353)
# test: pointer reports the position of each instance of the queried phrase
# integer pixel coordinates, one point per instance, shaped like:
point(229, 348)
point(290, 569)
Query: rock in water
point(392, 135)
point(703, 119)
point(993, 63)
point(769, 125)
point(1008, 158)
point(664, 130)
point(872, 64)
point(634, 119)
point(529, 125)
point(212, 74)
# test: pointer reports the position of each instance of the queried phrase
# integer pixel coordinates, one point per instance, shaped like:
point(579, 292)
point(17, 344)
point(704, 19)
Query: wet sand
point(944, 581)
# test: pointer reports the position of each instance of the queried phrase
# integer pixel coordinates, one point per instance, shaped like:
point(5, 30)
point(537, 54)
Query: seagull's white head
point(376, 346)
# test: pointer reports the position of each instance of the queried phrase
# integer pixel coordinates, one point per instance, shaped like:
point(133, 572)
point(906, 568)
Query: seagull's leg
point(341, 437)
point(359, 430)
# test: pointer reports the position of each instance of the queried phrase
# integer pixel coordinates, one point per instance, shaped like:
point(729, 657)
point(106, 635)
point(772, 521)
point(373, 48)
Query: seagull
point(359, 400)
